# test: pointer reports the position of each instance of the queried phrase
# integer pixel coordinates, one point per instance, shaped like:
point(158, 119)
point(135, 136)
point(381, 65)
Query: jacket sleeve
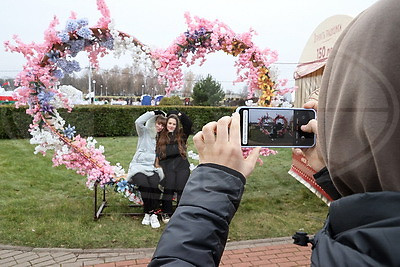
point(140, 122)
point(197, 232)
point(186, 124)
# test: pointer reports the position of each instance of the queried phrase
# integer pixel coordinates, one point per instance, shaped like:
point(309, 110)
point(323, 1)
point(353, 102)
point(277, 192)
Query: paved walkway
point(263, 252)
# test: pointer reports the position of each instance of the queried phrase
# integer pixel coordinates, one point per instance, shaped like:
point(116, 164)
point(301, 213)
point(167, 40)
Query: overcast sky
point(283, 25)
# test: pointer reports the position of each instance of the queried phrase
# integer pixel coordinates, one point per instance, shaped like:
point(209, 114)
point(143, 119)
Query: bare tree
point(128, 81)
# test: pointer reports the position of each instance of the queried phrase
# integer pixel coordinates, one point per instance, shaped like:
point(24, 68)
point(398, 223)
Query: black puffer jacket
point(361, 230)
point(198, 230)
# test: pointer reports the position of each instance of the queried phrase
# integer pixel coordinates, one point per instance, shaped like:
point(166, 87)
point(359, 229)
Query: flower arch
point(46, 64)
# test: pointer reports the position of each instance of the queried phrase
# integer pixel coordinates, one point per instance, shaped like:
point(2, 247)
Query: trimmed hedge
point(102, 121)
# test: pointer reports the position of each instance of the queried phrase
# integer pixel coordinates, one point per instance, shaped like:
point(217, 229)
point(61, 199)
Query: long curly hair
point(165, 138)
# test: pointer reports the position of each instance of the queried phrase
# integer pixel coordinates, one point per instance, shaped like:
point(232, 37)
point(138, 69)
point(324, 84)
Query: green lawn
point(42, 206)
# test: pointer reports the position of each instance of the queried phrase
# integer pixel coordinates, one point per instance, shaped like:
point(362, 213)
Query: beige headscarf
point(359, 110)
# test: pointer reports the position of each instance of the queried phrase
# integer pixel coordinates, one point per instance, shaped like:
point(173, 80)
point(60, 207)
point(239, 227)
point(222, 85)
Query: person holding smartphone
point(358, 138)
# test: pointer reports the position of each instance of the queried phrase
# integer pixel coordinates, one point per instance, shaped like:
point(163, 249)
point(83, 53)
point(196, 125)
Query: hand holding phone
point(313, 155)
point(275, 127)
point(219, 143)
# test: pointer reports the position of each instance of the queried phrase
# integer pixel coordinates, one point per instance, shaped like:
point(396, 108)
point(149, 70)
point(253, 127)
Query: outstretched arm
point(140, 122)
point(186, 123)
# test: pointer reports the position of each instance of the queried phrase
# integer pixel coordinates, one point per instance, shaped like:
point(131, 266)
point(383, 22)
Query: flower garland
point(49, 62)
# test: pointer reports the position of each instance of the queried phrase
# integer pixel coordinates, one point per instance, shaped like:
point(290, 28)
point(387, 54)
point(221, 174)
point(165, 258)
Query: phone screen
point(275, 127)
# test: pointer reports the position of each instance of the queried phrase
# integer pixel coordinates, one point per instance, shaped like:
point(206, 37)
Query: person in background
point(142, 171)
point(358, 131)
point(172, 157)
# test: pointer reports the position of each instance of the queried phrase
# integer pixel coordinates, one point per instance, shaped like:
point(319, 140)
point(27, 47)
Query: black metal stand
point(99, 209)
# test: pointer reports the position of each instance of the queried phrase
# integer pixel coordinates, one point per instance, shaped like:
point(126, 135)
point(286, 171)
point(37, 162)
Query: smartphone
point(275, 127)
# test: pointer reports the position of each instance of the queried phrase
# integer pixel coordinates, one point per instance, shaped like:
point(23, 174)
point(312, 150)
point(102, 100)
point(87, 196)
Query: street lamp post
point(101, 90)
point(142, 88)
point(94, 91)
